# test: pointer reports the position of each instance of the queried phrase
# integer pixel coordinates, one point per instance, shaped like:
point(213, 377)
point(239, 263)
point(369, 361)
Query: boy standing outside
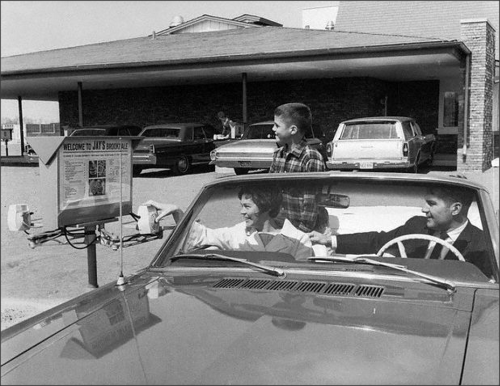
point(291, 122)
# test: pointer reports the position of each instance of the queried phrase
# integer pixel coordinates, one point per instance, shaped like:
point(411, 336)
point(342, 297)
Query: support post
point(91, 256)
point(21, 124)
point(80, 104)
point(244, 92)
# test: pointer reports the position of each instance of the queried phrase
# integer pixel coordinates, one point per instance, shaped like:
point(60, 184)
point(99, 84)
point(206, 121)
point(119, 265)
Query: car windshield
point(365, 130)
point(266, 219)
point(162, 132)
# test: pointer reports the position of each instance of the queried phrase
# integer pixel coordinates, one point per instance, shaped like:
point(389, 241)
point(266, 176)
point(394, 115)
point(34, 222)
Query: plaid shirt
point(299, 205)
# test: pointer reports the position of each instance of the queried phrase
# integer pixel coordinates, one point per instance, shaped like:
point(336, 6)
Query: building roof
point(437, 19)
point(251, 43)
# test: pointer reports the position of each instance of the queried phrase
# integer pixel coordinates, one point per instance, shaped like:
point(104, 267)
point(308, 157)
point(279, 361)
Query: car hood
point(249, 145)
point(196, 329)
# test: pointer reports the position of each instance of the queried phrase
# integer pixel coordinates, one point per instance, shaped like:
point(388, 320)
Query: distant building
point(320, 17)
point(246, 66)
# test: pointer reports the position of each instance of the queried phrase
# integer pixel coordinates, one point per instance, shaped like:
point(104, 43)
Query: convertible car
point(206, 312)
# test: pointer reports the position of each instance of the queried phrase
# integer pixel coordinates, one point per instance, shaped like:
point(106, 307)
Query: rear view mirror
point(333, 200)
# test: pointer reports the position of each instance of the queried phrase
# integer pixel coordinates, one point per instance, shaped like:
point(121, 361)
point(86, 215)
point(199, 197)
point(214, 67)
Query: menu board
point(94, 172)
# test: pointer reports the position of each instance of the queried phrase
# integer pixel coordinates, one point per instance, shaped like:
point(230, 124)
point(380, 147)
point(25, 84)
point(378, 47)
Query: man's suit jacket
point(470, 243)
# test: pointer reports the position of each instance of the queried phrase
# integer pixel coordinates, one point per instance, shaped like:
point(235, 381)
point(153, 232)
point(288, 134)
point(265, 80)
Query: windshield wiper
point(446, 284)
point(215, 256)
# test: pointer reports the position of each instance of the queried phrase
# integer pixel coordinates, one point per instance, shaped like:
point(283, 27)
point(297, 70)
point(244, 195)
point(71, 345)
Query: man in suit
point(445, 217)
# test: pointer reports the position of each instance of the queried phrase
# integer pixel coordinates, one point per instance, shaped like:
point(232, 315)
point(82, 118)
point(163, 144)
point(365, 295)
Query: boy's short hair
point(297, 114)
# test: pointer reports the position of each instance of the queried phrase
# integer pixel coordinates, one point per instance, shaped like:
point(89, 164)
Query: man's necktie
point(436, 253)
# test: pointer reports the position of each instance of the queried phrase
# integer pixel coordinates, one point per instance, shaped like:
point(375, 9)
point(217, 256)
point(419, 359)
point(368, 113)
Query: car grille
point(316, 287)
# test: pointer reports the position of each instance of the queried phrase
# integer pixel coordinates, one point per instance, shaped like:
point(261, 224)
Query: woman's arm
point(166, 209)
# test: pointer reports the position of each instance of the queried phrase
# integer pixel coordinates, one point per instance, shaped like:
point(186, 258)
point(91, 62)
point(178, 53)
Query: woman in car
point(258, 232)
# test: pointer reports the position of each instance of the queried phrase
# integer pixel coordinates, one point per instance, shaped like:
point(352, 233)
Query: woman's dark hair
point(268, 198)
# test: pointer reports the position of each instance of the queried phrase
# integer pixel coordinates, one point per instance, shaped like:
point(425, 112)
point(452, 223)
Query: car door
point(199, 145)
point(209, 132)
point(413, 141)
point(426, 142)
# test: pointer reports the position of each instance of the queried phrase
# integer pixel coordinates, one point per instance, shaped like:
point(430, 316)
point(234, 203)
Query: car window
point(162, 132)
point(260, 132)
point(209, 131)
point(375, 130)
point(123, 131)
point(88, 132)
point(198, 133)
point(416, 129)
point(407, 130)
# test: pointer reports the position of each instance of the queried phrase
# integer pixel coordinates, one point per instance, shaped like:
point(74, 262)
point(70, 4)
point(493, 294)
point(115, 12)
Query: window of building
point(450, 118)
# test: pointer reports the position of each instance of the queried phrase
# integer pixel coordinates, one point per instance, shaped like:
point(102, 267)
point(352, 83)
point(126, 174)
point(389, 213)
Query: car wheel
point(182, 165)
point(240, 171)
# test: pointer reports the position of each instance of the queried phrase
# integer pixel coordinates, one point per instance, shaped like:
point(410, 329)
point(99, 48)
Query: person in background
point(291, 123)
point(228, 125)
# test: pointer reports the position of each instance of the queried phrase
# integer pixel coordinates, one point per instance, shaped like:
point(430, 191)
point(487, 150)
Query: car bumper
point(264, 163)
point(367, 165)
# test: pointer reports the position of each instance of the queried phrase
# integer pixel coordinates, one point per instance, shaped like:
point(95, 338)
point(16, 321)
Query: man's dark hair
point(453, 194)
point(267, 198)
point(297, 114)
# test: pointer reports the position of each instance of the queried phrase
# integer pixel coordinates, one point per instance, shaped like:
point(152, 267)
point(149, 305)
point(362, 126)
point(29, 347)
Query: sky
point(31, 26)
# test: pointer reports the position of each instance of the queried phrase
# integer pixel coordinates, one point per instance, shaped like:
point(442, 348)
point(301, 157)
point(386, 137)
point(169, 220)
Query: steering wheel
point(415, 236)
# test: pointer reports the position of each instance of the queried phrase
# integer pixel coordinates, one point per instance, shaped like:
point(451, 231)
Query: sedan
point(177, 146)
point(255, 149)
point(237, 295)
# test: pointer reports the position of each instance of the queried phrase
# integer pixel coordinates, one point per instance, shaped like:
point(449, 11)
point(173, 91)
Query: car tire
point(182, 165)
point(240, 171)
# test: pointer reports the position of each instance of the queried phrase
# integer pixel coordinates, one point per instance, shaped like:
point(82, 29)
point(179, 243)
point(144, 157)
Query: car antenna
point(121, 280)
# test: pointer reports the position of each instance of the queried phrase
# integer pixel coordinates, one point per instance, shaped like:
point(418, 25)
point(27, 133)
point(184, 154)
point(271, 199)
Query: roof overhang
point(422, 61)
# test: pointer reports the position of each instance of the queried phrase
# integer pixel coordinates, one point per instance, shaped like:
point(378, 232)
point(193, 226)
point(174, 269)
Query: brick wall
point(331, 101)
point(479, 36)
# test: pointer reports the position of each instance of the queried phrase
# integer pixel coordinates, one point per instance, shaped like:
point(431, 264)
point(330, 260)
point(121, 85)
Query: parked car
point(256, 147)
point(106, 130)
point(202, 314)
point(177, 146)
point(376, 143)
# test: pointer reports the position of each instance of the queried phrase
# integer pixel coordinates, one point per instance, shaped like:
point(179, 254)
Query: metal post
point(91, 256)
point(21, 125)
point(80, 104)
point(244, 84)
